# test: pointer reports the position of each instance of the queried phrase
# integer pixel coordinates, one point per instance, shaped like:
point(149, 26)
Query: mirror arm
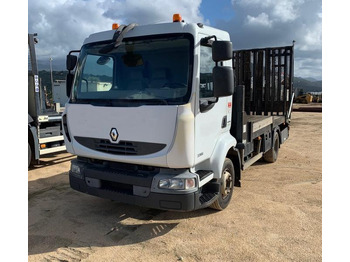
point(205, 40)
point(74, 51)
point(205, 104)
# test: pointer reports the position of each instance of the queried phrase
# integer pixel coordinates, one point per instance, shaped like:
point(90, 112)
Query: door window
point(206, 72)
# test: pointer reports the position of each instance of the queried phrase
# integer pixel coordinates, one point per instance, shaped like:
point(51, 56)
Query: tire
point(271, 155)
point(226, 186)
point(30, 155)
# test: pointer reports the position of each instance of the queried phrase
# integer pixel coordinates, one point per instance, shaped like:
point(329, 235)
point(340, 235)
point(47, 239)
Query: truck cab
point(150, 114)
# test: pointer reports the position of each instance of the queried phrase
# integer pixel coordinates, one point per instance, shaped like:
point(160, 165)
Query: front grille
point(121, 148)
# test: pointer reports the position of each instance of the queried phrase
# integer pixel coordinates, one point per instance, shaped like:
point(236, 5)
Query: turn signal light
point(177, 18)
point(115, 26)
point(42, 146)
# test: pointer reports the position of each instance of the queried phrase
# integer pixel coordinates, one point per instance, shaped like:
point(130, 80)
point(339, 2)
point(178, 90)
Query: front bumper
point(131, 187)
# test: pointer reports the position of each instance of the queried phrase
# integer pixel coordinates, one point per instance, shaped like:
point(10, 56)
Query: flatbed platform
point(259, 122)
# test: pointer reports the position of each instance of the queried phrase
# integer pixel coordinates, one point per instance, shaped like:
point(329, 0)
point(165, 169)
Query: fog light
point(75, 169)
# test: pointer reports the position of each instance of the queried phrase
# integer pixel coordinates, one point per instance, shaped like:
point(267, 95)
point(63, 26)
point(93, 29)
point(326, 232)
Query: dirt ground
point(275, 216)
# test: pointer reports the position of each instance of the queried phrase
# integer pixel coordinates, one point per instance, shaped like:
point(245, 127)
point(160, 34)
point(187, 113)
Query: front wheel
point(226, 186)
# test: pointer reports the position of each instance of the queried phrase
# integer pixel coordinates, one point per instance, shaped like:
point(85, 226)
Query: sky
point(62, 25)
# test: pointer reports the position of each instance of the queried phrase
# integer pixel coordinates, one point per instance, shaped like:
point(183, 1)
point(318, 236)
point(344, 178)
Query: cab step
point(204, 177)
point(208, 198)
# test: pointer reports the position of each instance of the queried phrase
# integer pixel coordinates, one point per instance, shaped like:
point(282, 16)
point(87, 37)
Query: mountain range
point(307, 84)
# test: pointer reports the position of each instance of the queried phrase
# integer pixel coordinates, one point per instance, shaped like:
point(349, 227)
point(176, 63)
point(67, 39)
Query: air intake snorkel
point(117, 38)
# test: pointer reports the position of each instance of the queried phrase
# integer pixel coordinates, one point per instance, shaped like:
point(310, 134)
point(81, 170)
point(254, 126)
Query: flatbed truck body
point(167, 116)
point(263, 99)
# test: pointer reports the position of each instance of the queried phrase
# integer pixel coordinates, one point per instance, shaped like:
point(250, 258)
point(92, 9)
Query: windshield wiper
point(99, 102)
point(122, 102)
point(158, 100)
point(153, 101)
point(94, 102)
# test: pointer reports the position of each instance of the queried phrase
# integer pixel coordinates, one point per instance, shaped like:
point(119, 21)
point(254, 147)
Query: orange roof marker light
point(177, 18)
point(115, 26)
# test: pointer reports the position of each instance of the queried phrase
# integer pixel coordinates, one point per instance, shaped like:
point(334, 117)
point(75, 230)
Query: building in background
point(59, 92)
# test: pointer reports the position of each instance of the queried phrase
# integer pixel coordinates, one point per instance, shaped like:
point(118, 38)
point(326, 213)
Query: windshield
point(146, 71)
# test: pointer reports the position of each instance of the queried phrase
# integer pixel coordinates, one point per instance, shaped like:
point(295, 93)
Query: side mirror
point(71, 62)
point(69, 83)
point(221, 51)
point(223, 81)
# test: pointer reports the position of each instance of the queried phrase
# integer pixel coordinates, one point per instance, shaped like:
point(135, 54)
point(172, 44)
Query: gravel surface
point(275, 216)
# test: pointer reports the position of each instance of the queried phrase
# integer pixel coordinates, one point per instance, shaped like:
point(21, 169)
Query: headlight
point(177, 183)
point(164, 183)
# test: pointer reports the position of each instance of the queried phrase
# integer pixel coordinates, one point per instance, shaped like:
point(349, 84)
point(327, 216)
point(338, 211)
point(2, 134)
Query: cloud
point(313, 37)
point(261, 23)
point(156, 11)
point(63, 25)
point(281, 10)
point(260, 20)
point(286, 10)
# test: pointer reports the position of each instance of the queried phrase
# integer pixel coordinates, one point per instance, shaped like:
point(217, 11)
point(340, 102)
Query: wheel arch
point(217, 159)
point(235, 157)
point(33, 141)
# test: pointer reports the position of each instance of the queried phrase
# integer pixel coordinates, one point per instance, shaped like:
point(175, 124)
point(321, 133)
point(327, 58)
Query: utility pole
point(51, 74)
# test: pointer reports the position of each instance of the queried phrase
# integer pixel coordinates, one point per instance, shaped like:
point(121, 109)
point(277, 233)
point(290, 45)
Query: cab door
point(214, 114)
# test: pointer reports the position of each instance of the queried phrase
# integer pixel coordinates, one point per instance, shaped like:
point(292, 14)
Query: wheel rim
point(227, 182)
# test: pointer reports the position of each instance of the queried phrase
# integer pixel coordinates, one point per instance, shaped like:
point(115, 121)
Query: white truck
point(167, 116)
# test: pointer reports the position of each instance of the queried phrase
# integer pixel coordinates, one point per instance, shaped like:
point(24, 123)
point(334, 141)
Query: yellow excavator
point(304, 99)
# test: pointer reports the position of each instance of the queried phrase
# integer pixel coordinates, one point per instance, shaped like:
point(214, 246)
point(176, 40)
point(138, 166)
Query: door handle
point(224, 122)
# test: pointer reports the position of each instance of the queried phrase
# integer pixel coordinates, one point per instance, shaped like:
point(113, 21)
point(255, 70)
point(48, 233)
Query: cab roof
point(164, 28)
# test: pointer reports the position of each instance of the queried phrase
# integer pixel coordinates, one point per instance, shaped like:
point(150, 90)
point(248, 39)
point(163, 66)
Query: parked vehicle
point(167, 115)
point(304, 99)
point(44, 123)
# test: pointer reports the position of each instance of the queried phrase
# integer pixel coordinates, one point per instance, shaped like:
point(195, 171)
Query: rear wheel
point(271, 155)
point(226, 186)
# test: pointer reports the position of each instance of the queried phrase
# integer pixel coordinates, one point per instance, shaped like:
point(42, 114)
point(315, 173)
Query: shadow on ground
point(50, 160)
point(59, 217)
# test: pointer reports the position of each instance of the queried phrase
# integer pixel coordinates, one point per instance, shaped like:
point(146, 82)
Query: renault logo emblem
point(114, 134)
